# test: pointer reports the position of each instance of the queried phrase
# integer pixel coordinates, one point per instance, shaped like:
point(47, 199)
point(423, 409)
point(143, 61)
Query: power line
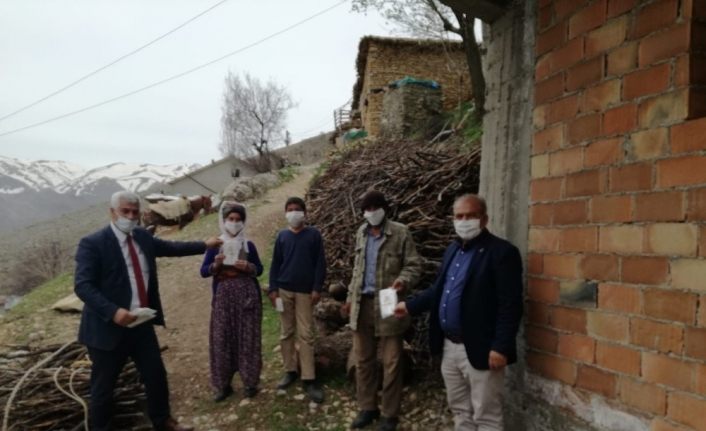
point(330, 119)
point(311, 129)
point(173, 77)
point(117, 60)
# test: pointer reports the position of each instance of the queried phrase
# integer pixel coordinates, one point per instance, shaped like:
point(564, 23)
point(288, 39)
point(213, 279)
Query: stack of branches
point(419, 180)
point(47, 388)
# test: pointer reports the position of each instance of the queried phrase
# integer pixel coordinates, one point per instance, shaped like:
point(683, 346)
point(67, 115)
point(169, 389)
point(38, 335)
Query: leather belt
point(456, 339)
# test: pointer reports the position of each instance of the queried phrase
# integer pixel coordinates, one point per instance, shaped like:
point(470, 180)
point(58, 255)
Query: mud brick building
point(383, 60)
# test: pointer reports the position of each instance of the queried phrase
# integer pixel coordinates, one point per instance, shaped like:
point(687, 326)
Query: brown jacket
point(397, 259)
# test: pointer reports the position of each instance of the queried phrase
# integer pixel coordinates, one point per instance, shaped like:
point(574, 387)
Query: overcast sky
point(47, 44)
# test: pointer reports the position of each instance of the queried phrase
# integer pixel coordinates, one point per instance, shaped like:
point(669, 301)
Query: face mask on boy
point(295, 218)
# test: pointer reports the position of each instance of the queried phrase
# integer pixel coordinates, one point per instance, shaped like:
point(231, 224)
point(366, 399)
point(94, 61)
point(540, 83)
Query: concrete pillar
point(506, 145)
point(507, 126)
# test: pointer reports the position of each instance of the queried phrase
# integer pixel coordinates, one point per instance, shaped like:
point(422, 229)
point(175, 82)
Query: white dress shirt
point(122, 240)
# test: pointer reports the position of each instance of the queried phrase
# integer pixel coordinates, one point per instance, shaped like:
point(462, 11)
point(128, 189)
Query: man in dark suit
point(475, 309)
point(116, 273)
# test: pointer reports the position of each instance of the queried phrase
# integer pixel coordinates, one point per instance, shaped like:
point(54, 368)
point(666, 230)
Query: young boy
point(297, 277)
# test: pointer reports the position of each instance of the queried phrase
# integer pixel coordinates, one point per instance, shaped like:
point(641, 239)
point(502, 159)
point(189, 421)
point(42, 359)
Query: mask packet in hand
point(388, 301)
point(143, 315)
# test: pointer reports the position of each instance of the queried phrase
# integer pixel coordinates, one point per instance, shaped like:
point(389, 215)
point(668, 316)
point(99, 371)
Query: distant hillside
point(66, 229)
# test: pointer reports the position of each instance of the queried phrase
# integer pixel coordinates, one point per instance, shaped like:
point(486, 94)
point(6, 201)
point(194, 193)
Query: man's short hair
point(375, 199)
point(124, 196)
point(297, 201)
point(475, 197)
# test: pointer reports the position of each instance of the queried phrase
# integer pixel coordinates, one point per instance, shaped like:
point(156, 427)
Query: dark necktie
point(141, 291)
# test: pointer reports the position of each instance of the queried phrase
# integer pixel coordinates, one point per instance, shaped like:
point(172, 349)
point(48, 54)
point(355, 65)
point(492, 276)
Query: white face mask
point(374, 217)
point(467, 229)
point(233, 227)
point(294, 218)
point(125, 225)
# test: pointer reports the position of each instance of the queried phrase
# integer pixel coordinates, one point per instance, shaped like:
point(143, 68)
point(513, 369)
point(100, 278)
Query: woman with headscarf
point(236, 307)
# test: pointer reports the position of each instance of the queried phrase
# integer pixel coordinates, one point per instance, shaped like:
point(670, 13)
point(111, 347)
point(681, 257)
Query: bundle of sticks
point(47, 388)
point(420, 182)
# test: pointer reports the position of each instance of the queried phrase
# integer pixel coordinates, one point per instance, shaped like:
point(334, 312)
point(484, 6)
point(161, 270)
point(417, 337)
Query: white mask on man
point(294, 218)
point(467, 229)
point(233, 227)
point(374, 217)
point(125, 225)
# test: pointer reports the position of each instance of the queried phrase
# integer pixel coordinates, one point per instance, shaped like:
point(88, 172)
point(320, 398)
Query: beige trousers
point(297, 317)
point(365, 347)
point(474, 396)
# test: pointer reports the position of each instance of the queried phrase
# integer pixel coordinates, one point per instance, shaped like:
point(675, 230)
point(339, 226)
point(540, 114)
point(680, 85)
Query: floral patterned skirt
point(235, 344)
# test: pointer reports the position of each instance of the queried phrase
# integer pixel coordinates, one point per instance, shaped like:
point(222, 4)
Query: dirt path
point(186, 297)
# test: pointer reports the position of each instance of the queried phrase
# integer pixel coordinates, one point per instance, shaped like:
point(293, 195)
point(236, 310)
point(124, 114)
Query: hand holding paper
point(388, 301)
point(231, 250)
point(143, 315)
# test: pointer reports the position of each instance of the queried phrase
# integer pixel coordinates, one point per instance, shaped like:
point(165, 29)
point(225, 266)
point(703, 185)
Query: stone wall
point(408, 111)
point(386, 60)
point(616, 321)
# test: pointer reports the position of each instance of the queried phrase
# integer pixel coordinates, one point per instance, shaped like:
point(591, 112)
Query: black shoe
point(365, 418)
point(313, 391)
point(388, 424)
point(289, 378)
point(223, 394)
point(250, 392)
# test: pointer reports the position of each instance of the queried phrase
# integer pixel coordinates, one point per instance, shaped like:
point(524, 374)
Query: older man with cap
point(116, 274)
point(385, 256)
point(475, 309)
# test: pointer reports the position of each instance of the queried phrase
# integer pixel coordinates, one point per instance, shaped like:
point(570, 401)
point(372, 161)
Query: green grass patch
point(320, 170)
point(42, 296)
point(471, 128)
point(287, 173)
point(270, 316)
point(200, 229)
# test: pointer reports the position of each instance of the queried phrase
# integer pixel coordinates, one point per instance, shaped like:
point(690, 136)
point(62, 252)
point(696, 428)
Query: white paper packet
point(143, 315)
point(231, 250)
point(388, 301)
point(279, 305)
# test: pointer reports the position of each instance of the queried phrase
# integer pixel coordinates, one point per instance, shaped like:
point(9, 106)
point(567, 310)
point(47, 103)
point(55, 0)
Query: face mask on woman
point(294, 218)
point(233, 227)
point(467, 229)
point(125, 225)
point(374, 217)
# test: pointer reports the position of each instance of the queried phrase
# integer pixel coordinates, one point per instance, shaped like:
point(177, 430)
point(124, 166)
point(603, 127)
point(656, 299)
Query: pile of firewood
point(419, 180)
point(48, 389)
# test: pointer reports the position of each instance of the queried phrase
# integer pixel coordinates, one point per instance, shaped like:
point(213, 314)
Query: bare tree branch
point(448, 26)
point(253, 117)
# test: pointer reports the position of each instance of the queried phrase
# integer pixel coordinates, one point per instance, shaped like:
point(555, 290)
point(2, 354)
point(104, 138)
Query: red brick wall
point(616, 301)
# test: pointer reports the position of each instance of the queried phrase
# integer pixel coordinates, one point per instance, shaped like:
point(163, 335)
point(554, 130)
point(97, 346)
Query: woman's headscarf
point(240, 239)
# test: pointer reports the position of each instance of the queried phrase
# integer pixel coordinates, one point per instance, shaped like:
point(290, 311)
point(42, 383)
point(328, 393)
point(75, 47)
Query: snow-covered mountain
point(17, 176)
point(31, 191)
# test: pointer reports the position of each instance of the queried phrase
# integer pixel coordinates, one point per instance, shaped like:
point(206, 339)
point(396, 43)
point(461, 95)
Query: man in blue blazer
point(116, 273)
point(475, 309)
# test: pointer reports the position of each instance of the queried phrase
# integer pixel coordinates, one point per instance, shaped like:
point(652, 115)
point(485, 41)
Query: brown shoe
point(172, 425)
